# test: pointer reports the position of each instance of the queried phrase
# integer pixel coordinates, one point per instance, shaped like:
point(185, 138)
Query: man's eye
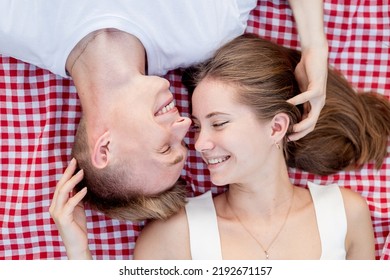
point(165, 150)
point(195, 127)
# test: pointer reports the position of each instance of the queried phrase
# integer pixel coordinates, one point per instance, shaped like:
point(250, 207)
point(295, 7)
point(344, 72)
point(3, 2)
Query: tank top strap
point(203, 228)
point(331, 220)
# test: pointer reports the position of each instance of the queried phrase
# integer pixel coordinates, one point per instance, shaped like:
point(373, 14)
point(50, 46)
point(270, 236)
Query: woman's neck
point(261, 196)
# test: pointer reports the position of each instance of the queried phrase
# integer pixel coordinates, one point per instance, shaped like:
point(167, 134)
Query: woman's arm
point(164, 240)
point(360, 241)
point(312, 71)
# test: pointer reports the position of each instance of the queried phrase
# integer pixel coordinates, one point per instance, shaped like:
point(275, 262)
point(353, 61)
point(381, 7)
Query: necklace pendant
point(266, 255)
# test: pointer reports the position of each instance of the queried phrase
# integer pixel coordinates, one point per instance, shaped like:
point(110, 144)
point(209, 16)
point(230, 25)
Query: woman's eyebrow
point(210, 115)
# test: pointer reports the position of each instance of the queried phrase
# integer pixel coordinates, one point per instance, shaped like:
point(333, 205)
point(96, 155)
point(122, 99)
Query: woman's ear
point(101, 151)
point(279, 126)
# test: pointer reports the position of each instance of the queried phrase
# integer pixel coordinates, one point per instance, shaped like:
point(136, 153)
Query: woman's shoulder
point(164, 239)
point(355, 205)
point(351, 198)
point(360, 234)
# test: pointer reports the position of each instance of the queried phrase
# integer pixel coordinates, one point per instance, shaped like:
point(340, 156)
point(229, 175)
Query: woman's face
point(231, 140)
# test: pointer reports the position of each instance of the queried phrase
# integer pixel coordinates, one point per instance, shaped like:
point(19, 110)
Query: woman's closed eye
point(220, 124)
point(196, 127)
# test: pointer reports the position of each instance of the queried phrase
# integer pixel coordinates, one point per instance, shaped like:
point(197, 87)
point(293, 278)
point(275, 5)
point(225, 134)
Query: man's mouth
point(166, 108)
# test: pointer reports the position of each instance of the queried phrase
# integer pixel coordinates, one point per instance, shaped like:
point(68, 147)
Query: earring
point(277, 145)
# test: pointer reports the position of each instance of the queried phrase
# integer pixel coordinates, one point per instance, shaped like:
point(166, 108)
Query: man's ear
point(279, 126)
point(101, 151)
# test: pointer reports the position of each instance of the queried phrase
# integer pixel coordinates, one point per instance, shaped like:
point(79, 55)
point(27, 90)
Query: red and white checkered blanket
point(39, 113)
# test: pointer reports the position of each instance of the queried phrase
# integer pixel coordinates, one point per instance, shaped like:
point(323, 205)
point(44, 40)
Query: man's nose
point(180, 127)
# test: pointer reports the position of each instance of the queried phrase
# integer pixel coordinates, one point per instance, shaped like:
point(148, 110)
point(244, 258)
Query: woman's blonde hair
point(352, 129)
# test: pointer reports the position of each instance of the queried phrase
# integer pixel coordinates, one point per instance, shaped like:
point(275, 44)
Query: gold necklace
point(266, 251)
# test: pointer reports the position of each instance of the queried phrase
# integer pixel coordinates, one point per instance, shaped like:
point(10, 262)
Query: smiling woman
point(242, 121)
point(221, 125)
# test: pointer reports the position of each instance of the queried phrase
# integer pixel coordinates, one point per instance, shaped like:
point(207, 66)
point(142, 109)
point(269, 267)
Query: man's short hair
point(114, 191)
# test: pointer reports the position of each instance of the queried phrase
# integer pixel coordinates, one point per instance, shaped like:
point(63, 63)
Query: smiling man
point(133, 149)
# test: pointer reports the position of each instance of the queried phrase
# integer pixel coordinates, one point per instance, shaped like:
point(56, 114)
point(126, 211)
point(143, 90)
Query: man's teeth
point(217, 160)
point(167, 108)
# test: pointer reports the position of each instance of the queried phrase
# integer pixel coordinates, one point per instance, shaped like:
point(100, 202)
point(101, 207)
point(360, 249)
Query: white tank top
point(330, 214)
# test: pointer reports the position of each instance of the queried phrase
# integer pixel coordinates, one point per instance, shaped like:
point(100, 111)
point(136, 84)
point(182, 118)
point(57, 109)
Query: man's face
point(149, 129)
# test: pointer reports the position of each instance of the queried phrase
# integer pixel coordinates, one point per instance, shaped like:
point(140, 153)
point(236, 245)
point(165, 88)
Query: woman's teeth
point(217, 160)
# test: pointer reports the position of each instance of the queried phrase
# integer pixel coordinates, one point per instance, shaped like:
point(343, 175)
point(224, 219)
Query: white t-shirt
point(175, 33)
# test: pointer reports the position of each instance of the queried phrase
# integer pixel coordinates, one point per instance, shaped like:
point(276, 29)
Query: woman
point(242, 123)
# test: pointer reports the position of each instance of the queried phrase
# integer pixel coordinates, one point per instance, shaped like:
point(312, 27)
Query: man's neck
point(104, 57)
point(102, 61)
point(99, 40)
point(99, 65)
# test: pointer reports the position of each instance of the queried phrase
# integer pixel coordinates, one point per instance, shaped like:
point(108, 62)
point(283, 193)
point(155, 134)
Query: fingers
point(61, 200)
point(301, 98)
point(310, 116)
point(75, 201)
point(62, 191)
point(64, 214)
point(303, 128)
point(301, 77)
point(65, 177)
point(306, 125)
point(69, 171)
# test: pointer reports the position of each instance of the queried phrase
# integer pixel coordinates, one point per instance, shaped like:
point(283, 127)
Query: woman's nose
point(203, 141)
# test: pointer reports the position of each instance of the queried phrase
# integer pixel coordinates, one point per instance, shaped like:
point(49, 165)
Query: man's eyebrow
point(210, 115)
point(177, 160)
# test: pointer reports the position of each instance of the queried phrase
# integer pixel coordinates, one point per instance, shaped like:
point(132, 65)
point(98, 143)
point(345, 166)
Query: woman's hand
point(67, 211)
point(312, 71)
point(311, 74)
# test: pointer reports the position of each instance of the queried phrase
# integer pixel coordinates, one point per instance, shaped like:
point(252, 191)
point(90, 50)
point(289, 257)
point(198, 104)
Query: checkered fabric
point(39, 113)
